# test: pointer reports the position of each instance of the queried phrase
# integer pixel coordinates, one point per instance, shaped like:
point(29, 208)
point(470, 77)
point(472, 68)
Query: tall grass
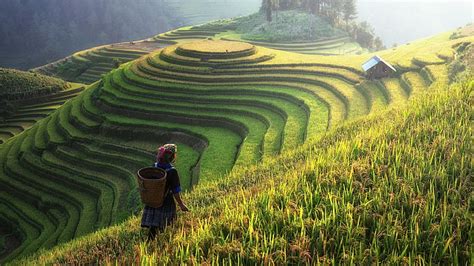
point(151, 94)
point(392, 188)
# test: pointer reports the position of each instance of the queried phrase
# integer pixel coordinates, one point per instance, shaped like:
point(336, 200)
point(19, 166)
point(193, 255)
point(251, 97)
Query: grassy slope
point(386, 188)
point(287, 26)
point(282, 57)
point(89, 65)
point(288, 31)
point(290, 28)
point(426, 50)
point(16, 84)
point(29, 97)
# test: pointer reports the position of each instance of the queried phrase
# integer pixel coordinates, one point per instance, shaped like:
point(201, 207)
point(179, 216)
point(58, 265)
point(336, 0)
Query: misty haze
point(395, 22)
point(399, 22)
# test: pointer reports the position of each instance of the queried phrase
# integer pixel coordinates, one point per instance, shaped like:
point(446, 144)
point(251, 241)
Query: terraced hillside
point(88, 66)
point(338, 45)
point(225, 30)
point(27, 98)
point(364, 192)
point(226, 105)
point(30, 111)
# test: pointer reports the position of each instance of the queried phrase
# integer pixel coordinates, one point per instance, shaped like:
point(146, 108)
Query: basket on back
point(152, 185)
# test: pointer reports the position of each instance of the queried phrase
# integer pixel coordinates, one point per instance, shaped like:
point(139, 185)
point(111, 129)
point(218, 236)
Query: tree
point(378, 44)
point(349, 10)
point(294, 4)
point(269, 10)
point(325, 6)
point(267, 7)
point(276, 6)
point(55, 28)
point(364, 35)
point(332, 9)
point(314, 6)
point(285, 4)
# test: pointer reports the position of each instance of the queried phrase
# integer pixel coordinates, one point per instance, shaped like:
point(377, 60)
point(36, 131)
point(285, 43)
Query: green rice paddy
point(231, 108)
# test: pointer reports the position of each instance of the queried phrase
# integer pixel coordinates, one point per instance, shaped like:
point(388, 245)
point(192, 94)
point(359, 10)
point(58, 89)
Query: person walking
point(156, 219)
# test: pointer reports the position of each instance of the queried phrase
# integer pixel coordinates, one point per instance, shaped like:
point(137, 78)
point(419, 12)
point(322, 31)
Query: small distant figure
point(158, 218)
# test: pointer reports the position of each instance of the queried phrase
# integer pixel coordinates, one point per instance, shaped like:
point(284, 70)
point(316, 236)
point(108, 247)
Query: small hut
point(377, 68)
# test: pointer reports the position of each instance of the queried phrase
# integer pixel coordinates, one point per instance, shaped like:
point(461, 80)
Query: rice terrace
point(301, 138)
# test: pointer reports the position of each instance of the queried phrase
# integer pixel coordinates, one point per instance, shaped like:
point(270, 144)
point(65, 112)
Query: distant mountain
point(201, 11)
point(34, 33)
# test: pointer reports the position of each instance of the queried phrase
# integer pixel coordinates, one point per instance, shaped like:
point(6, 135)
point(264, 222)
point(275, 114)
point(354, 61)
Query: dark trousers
point(153, 231)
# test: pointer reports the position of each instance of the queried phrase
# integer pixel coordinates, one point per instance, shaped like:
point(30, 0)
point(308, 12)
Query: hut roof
point(374, 61)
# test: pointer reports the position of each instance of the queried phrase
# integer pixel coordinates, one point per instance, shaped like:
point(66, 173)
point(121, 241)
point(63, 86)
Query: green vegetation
point(314, 19)
point(288, 26)
point(332, 10)
point(28, 97)
point(462, 66)
point(292, 30)
point(88, 66)
point(463, 32)
point(203, 11)
point(315, 37)
point(57, 28)
point(288, 32)
point(18, 85)
point(386, 189)
point(229, 105)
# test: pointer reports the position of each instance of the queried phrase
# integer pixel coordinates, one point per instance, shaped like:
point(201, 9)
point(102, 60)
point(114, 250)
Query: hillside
point(27, 97)
point(17, 85)
point(386, 189)
point(226, 105)
point(288, 26)
point(202, 11)
point(89, 65)
point(291, 30)
point(33, 33)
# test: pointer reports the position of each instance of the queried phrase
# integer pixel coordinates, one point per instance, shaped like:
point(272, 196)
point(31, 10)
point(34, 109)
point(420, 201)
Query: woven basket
point(152, 184)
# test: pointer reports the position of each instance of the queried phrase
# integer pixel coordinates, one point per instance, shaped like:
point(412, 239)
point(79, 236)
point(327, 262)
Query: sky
point(397, 21)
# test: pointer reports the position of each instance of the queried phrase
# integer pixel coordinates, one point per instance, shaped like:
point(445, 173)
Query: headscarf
point(166, 153)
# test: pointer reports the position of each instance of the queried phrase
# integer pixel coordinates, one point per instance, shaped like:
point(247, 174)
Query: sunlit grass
point(364, 192)
point(385, 189)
